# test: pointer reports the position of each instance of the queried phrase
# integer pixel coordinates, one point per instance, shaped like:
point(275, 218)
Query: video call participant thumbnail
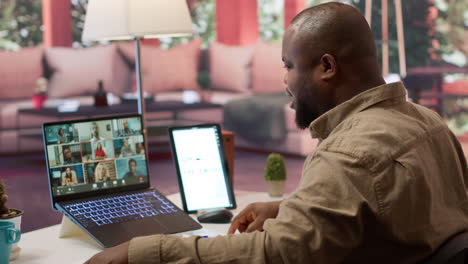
point(99, 152)
point(59, 134)
point(123, 148)
point(96, 132)
point(67, 176)
point(137, 143)
point(128, 147)
point(92, 131)
point(89, 169)
point(133, 169)
point(71, 154)
point(55, 153)
point(102, 150)
point(140, 149)
point(127, 127)
point(86, 152)
point(104, 171)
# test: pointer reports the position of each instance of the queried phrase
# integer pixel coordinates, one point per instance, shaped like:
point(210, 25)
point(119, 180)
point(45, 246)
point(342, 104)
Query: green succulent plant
point(275, 169)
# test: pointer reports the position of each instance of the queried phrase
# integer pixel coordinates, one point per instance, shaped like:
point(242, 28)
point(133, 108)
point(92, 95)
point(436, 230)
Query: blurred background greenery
point(445, 37)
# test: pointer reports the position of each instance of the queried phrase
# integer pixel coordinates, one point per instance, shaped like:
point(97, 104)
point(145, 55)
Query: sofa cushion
point(78, 71)
point(19, 71)
point(174, 69)
point(230, 67)
point(265, 112)
point(267, 69)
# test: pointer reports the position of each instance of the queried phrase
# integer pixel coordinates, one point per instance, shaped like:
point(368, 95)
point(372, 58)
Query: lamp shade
point(127, 19)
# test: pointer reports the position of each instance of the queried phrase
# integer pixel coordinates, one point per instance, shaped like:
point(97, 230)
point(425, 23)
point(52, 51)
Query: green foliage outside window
point(203, 18)
point(452, 27)
point(20, 23)
point(78, 14)
point(271, 20)
point(418, 41)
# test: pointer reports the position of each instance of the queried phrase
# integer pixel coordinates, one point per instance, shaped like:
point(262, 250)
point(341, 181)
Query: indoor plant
point(11, 215)
point(275, 174)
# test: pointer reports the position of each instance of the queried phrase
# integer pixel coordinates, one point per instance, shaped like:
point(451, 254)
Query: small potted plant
point(11, 215)
point(275, 174)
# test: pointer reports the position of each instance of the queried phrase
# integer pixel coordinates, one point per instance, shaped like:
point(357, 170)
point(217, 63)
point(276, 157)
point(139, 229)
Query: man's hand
point(253, 217)
point(114, 255)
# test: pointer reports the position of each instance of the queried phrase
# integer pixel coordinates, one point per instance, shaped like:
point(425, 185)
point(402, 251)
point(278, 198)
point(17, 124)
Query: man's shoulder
point(378, 134)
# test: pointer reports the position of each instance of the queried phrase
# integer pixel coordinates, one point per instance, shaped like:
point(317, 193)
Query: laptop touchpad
point(145, 226)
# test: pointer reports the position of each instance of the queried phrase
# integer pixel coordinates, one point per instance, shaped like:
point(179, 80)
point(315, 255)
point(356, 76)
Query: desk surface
point(45, 246)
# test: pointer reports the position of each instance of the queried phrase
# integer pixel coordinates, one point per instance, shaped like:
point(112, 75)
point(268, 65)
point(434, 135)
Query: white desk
point(45, 246)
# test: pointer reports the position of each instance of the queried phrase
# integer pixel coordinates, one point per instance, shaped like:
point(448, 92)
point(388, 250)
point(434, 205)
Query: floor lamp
point(136, 20)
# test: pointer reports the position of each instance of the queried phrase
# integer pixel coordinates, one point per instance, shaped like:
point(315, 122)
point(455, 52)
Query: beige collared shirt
point(387, 184)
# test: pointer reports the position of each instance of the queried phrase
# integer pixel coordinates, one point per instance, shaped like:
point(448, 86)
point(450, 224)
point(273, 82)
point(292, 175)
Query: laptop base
point(110, 235)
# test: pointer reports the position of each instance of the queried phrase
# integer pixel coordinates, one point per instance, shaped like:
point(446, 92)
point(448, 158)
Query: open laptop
point(98, 177)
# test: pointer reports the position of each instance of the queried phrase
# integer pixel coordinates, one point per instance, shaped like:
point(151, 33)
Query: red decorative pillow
point(19, 71)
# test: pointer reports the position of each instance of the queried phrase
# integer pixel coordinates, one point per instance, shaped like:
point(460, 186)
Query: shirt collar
point(324, 125)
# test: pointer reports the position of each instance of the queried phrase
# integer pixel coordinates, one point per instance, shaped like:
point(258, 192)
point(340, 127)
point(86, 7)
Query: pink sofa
point(235, 72)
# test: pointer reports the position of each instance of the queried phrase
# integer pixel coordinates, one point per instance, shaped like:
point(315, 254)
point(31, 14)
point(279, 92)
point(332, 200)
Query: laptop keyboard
point(120, 208)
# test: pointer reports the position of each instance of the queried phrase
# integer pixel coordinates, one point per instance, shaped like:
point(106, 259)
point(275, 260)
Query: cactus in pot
point(275, 174)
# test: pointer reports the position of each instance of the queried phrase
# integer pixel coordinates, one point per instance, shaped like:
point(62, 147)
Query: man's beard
point(305, 114)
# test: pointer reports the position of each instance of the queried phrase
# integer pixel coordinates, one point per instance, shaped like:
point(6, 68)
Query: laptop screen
point(201, 167)
point(94, 155)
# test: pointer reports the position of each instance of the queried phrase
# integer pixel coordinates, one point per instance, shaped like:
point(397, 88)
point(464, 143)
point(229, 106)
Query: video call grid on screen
point(93, 155)
point(201, 168)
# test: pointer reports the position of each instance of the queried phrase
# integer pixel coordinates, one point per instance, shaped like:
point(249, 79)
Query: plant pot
point(16, 219)
point(38, 101)
point(275, 188)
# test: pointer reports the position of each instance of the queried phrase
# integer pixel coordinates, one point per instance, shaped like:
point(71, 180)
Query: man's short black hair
point(130, 161)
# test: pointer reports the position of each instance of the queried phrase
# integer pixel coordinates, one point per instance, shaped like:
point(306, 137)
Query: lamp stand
point(140, 98)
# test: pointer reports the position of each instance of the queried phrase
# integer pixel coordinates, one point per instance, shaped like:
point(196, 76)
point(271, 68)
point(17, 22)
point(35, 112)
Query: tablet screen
point(201, 167)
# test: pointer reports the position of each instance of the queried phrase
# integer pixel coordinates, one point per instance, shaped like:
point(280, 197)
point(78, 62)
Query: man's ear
point(328, 67)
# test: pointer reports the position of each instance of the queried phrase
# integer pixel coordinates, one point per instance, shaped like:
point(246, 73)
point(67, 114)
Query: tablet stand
point(69, 229)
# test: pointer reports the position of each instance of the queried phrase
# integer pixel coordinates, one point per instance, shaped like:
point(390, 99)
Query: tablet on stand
point(202, 172)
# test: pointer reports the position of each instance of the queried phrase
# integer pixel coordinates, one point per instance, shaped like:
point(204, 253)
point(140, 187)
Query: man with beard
point(386, 184)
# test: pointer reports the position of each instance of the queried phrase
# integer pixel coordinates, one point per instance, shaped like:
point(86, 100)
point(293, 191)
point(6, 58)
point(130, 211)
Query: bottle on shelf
point(100, 98)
